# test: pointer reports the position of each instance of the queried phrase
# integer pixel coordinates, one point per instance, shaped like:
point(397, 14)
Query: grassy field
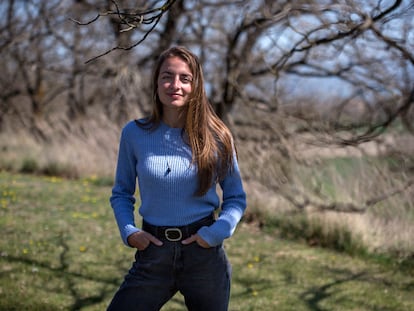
point(60, 250)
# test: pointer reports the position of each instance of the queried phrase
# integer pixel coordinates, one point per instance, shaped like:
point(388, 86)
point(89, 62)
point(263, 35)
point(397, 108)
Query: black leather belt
point(179, 233)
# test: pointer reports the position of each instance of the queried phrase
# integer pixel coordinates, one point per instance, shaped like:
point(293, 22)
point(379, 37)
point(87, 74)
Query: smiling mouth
point(174, 95)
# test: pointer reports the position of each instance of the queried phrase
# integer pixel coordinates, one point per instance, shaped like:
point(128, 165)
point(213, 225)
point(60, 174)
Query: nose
point(175, 82)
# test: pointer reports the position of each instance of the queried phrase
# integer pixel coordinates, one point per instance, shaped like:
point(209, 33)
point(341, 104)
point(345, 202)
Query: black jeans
point(202, 275)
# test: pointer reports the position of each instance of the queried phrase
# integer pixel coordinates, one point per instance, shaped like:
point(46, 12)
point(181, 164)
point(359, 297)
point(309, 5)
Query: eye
point(166, 76)
point(186, 79)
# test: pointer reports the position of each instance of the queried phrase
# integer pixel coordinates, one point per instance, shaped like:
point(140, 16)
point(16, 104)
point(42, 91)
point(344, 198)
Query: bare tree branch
point(131, 20)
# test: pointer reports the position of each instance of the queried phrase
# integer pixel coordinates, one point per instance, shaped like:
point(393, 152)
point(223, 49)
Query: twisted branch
point(132, 20)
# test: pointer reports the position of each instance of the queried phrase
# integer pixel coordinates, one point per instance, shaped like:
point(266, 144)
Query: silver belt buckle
point(173, 234)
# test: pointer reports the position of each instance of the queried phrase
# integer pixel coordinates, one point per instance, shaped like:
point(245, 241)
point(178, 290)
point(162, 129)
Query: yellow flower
point(82, 249)
point(85, 199)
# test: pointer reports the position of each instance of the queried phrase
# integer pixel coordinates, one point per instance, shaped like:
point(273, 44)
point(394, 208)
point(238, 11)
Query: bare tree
point(286, 75)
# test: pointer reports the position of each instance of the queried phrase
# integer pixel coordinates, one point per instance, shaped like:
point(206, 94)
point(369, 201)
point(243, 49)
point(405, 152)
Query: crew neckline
point(176, 129)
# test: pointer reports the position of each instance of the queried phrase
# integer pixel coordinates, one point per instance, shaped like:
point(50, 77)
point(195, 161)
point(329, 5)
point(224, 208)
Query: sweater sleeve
point(232, 209)
point(122, 199)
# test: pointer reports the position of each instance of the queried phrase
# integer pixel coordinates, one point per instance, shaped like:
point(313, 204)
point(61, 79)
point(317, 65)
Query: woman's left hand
point(196, 238)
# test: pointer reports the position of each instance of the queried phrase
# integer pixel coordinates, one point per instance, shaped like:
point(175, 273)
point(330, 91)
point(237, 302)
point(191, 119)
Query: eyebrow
point(172, 73)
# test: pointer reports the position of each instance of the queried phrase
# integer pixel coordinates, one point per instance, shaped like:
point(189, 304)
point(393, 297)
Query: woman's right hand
point(141, 239)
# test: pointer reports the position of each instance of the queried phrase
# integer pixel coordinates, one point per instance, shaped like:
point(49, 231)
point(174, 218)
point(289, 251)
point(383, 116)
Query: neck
point(176, 120)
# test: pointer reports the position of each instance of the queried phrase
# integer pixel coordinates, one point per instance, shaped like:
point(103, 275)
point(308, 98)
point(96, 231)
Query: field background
point(318, 94)
point(61, 250)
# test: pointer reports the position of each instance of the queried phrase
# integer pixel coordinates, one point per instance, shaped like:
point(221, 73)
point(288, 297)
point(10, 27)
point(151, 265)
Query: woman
point(178, 155)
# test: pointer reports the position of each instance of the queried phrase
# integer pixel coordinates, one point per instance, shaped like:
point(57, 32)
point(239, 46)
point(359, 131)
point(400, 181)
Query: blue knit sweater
point(161, 162)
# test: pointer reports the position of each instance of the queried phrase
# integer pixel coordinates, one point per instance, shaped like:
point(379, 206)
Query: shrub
point(58, 169)
point(29, 166)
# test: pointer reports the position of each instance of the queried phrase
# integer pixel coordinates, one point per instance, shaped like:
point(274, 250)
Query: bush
point(58, 169)
point(29, 166)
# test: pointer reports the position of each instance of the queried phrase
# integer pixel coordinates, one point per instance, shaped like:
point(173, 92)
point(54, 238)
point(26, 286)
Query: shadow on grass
point(314, 297)
point(70, 281)
point(331, 289)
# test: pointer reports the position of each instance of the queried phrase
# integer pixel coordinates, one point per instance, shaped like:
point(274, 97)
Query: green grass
point(60, 250)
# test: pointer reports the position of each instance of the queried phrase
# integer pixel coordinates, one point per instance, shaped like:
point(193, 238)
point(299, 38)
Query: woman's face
point(174, 83)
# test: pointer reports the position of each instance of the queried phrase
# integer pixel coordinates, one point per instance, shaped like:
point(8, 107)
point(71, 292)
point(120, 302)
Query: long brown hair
point(210, 139)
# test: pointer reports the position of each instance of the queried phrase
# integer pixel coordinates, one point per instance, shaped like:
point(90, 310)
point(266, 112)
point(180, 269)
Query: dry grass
point(385, 227)
point(77, 156)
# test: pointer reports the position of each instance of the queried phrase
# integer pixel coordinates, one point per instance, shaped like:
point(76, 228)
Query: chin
point(176, 105)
